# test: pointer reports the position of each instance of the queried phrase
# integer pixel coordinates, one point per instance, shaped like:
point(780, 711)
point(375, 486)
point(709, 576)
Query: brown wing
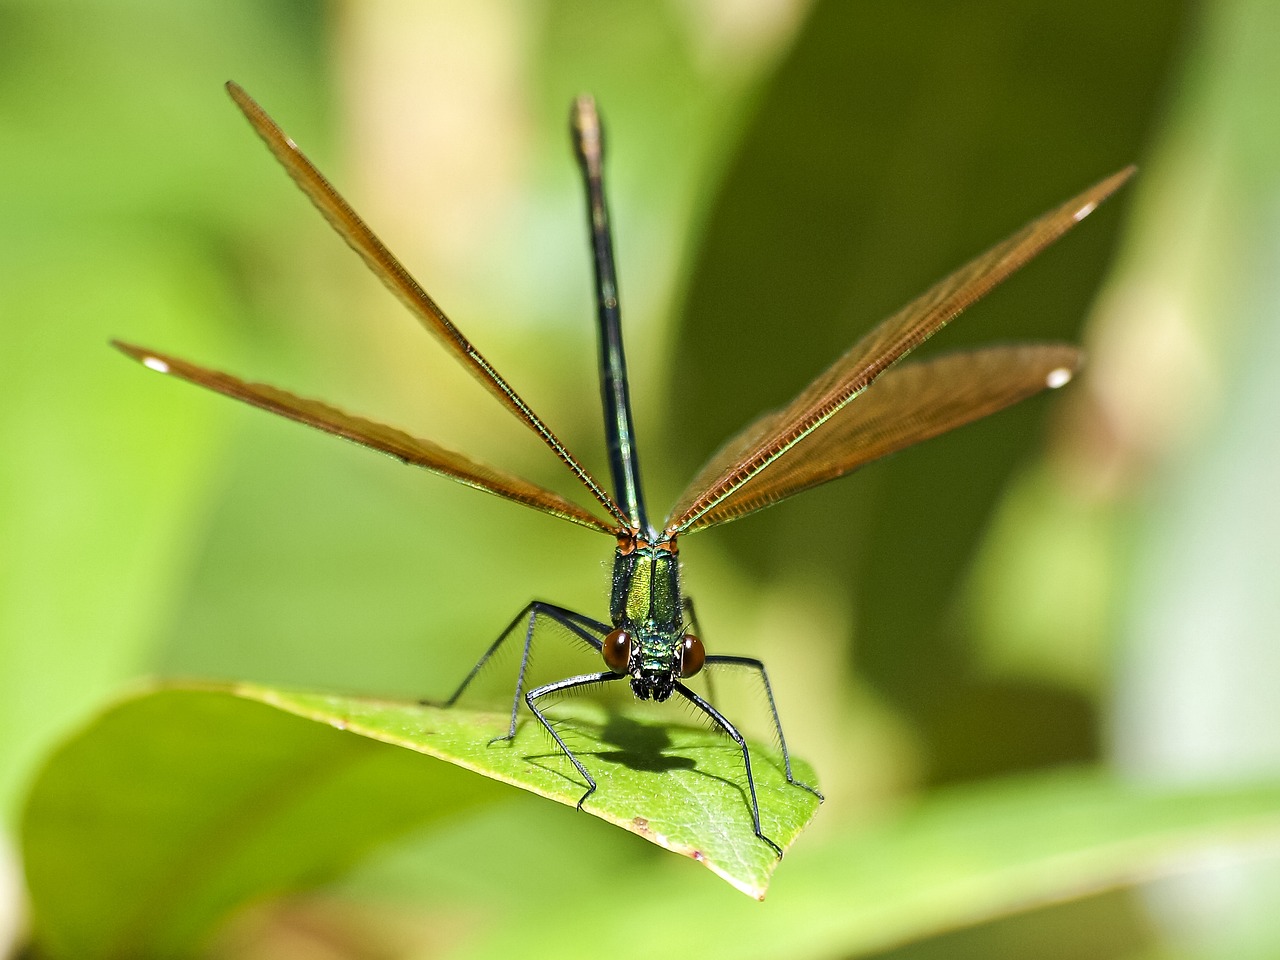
point(392, 273)
point(397, 443)
point(906, 405)
point(768, 439)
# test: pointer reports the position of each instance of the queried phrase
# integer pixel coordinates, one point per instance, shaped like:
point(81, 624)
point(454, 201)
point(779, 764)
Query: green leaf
point(173, 807)
point(964, 856)
point(177, 805)
point(679, 787)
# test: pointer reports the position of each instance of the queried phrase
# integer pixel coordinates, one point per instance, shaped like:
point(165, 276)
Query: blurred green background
point(1087, 579)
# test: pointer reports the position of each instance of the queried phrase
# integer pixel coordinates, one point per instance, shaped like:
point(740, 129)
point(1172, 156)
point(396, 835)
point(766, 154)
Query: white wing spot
point(1084, 211)
point(1057, 378)
point(156, 364)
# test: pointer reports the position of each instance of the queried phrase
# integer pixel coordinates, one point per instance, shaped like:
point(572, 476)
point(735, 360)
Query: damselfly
point(864, 406)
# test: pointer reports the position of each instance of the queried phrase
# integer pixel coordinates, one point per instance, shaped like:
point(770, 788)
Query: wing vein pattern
point(766, 440)
point(347, 223)
point(370, 433)
point(910, 403)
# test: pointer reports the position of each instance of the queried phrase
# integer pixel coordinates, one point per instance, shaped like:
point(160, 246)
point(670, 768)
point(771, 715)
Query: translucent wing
point(906, 405)
point(392, 273)
point(768, 439)
point(397, 443)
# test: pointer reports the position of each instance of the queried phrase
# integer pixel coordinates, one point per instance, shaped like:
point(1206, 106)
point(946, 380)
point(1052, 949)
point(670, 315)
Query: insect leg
point(722, 722)
point(691, 616)
point(584, 680)
point(579, 625)
point(753, 664)
point(691, 621)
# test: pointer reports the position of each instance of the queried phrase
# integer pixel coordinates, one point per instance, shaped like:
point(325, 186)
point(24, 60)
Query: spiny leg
point(691, 621)
point(576, 623)
point(722, 722)
point(691, 616)
point(753, 664)
point(584, 680)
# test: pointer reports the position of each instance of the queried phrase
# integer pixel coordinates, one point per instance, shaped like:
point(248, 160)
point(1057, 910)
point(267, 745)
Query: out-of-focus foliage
point(267, 803)
point(196, 801)
point(676, 786)
point(782, 176)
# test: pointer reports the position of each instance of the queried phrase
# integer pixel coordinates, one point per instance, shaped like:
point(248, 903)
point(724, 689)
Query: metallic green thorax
point(647, 603)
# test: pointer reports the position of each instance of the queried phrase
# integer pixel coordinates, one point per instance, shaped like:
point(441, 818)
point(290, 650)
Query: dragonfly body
point(650, 642)
point(865, 406)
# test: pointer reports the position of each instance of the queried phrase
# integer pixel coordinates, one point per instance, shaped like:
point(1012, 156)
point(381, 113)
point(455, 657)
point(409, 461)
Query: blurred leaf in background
point(1200, 623)
point(894, 143)
point(782, 176)
point(223, 797)
point(119, 214)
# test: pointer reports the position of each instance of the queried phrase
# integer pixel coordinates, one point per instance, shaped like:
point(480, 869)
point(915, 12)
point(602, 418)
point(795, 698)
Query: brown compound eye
point(692, 655)
point(616, 650)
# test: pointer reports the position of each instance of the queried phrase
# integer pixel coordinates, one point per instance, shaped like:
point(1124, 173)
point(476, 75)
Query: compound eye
point(692, 655)
point(616, 650)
